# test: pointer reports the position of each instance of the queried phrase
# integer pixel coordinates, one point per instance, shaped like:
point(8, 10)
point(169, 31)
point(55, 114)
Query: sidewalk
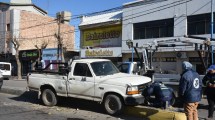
point(14, 86)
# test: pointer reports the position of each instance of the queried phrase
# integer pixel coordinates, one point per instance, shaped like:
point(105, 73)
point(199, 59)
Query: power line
point(162, 8)
point(154, 9)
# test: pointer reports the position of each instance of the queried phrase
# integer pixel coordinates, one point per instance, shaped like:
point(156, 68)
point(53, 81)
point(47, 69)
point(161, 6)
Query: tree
point(16, 45)
point(39, 48)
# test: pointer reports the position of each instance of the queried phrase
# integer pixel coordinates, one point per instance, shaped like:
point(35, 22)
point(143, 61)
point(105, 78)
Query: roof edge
point(12, 4)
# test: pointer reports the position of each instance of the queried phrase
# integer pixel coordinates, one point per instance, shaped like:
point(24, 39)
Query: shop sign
point(103, 37)
point(33, 54)
point(50, 54)
point(102, 52)
point(90, 53)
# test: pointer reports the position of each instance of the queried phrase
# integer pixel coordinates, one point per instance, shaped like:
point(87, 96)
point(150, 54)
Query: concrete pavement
point(18, 87)
point(14, 86)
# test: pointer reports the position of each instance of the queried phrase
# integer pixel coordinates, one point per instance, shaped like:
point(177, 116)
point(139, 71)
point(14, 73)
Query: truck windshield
point(104, 68)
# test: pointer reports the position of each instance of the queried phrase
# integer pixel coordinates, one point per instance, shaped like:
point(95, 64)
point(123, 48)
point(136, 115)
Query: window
point(154, 29)
point(8, 27)
point(82, 69)
point(199, 24)
point(124, 68)
point(104, 68)
point(4, 67)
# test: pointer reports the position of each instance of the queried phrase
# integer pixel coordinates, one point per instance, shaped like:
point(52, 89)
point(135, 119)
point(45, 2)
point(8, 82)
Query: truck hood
point(125, 79)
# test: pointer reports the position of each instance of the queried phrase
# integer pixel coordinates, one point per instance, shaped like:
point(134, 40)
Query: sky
point(76, 7)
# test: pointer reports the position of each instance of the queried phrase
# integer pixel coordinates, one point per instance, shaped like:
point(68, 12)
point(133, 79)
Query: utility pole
point(59, 46)
point(62, 17)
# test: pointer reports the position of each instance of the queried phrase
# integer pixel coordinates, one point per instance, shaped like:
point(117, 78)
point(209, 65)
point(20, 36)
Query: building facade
point(101, 36)
point(150, 20)
point(32, 28)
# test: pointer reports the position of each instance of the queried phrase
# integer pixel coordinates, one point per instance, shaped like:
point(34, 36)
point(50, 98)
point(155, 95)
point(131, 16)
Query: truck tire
point(113, 104)
point(49, 97)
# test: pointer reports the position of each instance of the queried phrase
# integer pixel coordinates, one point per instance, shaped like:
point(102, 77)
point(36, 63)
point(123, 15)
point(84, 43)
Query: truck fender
point(44, 86)
point(114, 93)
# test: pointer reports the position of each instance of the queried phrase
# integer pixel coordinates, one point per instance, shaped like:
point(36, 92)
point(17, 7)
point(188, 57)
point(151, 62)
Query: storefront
point(103, 42)
point(27, 58)
point(102, 38)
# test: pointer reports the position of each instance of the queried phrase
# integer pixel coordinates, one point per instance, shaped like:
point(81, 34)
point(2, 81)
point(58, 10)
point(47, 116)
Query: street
point(26, 107)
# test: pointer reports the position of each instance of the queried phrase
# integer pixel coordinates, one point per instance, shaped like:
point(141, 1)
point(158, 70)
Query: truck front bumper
point(137, 100)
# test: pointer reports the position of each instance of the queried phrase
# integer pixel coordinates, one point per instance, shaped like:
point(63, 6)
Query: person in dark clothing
point(209, 82)
point(190, 90)
point(163, 95)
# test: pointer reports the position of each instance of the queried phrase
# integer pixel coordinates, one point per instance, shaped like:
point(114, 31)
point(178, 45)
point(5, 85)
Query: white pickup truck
point(91, 79)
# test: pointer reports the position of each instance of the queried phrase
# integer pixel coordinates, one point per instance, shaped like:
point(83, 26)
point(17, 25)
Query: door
point(81, 82)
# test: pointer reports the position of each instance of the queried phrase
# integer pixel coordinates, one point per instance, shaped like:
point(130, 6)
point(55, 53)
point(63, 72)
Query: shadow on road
point(203, 106)
point(73, 103)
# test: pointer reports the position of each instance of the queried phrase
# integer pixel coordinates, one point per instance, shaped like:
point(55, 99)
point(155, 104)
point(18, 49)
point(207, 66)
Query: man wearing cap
point(209, 82)
point(190, 90)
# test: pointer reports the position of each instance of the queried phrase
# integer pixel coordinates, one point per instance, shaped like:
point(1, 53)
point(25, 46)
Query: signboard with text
point(28, 55)
point(103, 37)
point(102, 52)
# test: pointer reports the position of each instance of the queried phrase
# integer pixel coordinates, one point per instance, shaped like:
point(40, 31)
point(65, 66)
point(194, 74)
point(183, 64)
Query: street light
point(129, 43)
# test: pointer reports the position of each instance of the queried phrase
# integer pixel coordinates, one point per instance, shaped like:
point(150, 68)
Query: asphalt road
point(27, 107)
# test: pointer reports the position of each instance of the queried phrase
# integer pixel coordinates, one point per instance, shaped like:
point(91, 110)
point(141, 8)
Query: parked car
point(5, 69)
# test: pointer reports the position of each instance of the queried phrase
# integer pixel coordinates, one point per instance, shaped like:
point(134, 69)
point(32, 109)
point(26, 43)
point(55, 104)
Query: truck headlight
point(131, 90)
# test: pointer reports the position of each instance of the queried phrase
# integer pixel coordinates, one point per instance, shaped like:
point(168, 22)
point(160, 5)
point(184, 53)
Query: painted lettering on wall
point(91, 53)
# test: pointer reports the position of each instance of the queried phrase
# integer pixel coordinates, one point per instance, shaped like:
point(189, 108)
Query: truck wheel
point(49, 97)
point(113, 105)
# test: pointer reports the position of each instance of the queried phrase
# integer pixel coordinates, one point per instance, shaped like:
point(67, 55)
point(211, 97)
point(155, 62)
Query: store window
point(154, 29)
point(199, 24)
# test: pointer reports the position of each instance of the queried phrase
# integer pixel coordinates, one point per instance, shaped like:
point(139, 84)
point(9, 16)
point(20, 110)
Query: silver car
point(1, 80)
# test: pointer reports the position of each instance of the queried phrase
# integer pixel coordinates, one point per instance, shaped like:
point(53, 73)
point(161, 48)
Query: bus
point(5, 69)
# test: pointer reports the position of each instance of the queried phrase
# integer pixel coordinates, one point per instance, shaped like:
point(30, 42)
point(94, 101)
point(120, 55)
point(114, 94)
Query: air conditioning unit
point(181, 55)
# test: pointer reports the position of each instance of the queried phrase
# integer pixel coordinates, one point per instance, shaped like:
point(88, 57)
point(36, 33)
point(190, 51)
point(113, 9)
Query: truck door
point(81, 82)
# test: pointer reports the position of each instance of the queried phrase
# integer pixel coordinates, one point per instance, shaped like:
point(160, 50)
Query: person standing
point(209, 82)
point(190, 90)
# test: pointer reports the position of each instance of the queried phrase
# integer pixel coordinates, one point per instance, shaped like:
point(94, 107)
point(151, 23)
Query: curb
point(154, 114)
point(14, 91)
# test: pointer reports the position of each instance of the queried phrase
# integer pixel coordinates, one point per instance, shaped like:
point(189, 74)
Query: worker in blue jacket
point(190, 90)
point(164, 96)
point(209, 82)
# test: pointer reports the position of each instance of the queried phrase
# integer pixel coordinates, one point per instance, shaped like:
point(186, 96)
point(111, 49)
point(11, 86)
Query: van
point(5, 69)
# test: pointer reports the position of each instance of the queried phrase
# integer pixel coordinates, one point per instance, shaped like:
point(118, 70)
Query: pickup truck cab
point(91, 79)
